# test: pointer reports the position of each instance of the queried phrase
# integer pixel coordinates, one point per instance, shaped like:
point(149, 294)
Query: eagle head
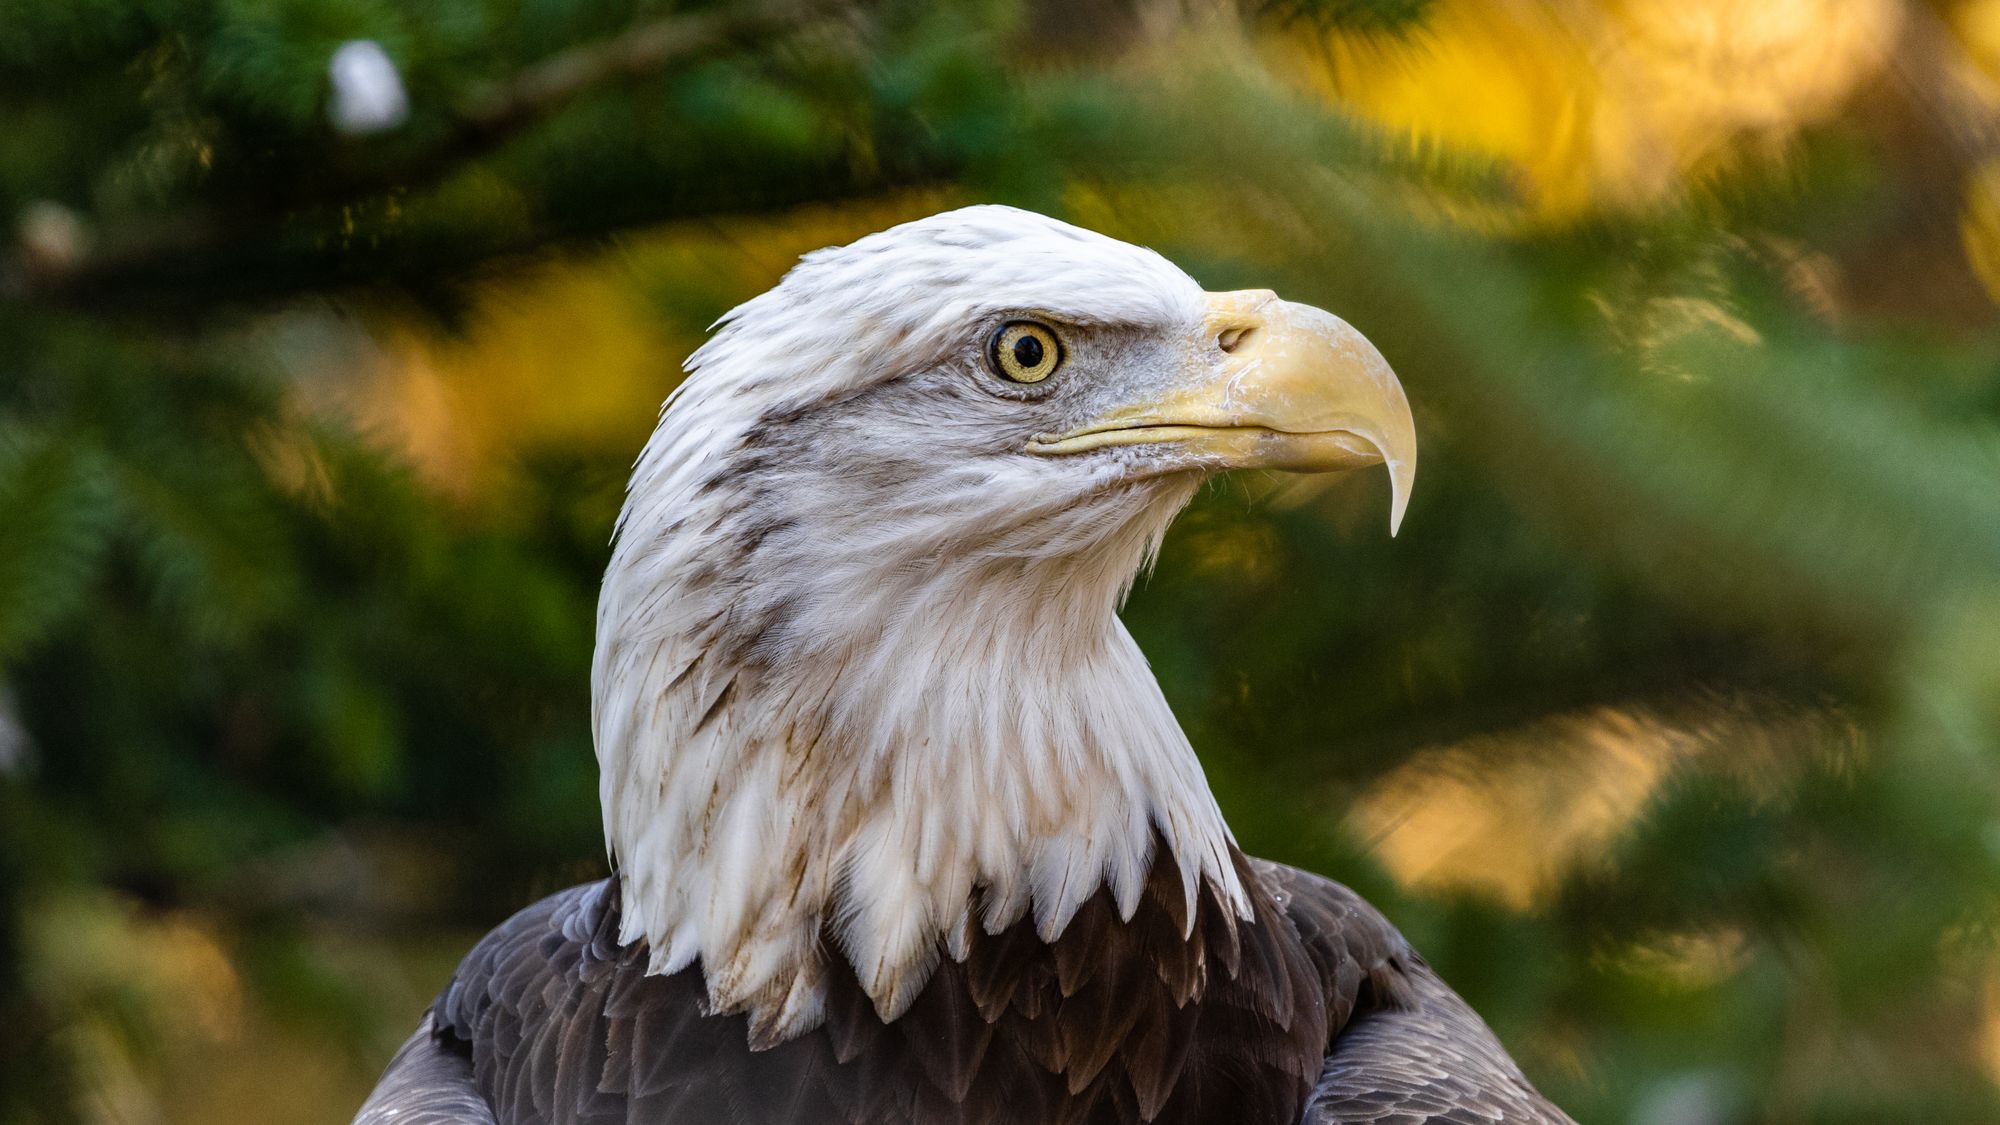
point(860, 683)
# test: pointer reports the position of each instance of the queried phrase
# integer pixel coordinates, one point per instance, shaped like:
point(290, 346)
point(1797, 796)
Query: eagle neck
point(810, 753)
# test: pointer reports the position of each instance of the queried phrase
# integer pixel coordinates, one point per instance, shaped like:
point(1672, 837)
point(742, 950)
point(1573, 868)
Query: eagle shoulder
point(427, 1083)
point(1404, 1047)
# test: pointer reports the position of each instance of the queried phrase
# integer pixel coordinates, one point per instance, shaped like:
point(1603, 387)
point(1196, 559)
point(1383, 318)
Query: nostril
point(1229, 339)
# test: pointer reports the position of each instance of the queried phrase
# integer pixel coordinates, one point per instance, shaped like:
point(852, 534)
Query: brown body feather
point(1314, 1010)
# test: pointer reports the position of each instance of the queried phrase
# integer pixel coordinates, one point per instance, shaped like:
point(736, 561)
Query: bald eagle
point(902, 830)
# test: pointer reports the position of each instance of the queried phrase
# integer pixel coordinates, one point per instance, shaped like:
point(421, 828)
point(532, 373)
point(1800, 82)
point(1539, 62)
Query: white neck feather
point(986, 723)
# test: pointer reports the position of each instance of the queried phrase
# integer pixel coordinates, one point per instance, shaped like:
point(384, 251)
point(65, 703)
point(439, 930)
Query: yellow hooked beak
point(1295, 388)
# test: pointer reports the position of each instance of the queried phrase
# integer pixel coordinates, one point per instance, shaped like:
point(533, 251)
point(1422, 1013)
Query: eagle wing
point(426, 1084)
point(1406, 1050)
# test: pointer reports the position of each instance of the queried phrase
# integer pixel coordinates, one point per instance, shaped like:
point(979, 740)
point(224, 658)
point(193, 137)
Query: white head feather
point(858, 653)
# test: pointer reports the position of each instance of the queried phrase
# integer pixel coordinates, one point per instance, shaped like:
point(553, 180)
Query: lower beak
point(1280, 386)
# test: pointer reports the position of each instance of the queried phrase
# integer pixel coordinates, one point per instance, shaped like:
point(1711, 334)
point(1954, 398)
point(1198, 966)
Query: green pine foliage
point(257, 670)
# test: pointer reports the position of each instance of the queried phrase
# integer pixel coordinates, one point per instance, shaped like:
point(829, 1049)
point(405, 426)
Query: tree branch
point(645, 49)
point(486, 119)
point(493, 114)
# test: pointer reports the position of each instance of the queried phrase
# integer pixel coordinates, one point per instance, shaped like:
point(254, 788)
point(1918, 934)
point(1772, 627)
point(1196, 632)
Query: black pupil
point(1028, 352)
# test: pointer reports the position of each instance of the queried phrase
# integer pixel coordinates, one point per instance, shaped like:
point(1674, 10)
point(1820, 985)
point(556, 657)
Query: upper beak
point(1294, 388)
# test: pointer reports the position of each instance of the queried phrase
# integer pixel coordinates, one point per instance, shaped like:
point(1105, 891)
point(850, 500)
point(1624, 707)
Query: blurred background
point(1669, 728)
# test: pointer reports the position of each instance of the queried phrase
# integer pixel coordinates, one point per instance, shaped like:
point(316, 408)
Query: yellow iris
point(1026, 352)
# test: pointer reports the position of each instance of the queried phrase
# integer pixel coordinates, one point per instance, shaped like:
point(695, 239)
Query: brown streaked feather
point(1153, 1056)
point(1078, 955)
point(994, 979)
point(959, 1035)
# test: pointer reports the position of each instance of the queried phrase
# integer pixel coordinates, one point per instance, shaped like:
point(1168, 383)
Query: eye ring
point(1025, 351)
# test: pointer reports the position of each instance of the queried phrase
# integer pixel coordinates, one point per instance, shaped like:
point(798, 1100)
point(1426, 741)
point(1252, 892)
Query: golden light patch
point(1457, 819)
point(172, 963)
point(1687, 961)
point(1509, 815)
point(1979, 225)
point(1976, 25)
point(1511, 79)
point(1606, 103)
point(1989, 1026)
point(579, 352)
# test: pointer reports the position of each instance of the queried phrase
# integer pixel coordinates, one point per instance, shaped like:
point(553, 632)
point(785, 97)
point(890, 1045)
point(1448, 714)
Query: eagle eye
point(1025, 351)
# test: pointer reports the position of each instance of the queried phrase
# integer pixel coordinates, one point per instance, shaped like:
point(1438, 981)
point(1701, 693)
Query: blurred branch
point(496, 113)
point(1932, 68)
point(1933, 116)
point(487, 118)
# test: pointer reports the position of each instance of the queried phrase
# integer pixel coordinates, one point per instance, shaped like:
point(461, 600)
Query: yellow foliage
point(1686, 960)
point(1605, 103)
point(1512, 79)
point(567, 355)
point(104, 961)
point(170, 963)
point(1977, 25)
point(1457, 818)
point(1979, 225)
point(572, 355)
point(1509, 815)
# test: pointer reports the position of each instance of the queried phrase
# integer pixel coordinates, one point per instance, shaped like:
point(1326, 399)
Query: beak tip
point(1401, 476)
